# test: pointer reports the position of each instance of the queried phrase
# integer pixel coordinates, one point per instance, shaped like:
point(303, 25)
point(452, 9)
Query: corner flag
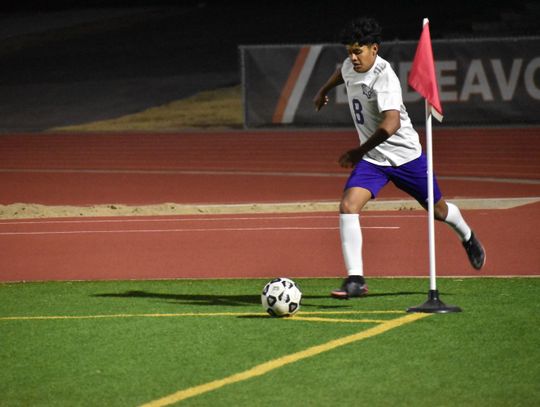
point(422, 77)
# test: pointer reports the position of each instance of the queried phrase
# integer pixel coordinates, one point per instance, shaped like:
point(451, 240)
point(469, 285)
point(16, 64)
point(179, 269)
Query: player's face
point(362, 56)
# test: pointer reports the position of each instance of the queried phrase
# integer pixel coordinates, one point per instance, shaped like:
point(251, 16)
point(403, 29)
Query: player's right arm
point(321, 98)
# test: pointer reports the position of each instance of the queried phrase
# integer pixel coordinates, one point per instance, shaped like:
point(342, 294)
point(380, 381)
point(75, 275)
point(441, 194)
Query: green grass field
point(134, 342)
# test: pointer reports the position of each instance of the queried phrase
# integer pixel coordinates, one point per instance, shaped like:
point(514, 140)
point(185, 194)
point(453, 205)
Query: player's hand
point(320, 100)
point(350, 158)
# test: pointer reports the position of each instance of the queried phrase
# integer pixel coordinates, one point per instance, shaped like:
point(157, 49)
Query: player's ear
point(374, 48)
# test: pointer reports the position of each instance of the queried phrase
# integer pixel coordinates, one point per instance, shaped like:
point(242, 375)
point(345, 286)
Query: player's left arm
point(389, 125)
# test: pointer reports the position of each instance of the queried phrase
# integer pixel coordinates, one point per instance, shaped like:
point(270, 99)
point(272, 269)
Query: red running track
point(268, 245)
point(240, 167)
point(246, 167)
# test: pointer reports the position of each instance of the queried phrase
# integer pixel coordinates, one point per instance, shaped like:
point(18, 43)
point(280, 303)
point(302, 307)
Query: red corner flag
point(422, 77)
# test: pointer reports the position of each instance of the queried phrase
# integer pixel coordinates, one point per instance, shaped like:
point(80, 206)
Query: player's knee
point(348, 206)
point(439, 216)
point(353, 200)
point(440, 210)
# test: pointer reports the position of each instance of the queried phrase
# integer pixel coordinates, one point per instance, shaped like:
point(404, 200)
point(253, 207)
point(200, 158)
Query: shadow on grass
point(241, 300)
point(193, 299)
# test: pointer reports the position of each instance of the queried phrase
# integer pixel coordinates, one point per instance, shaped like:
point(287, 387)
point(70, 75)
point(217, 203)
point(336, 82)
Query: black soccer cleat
point(353, 286)
point(475, 251)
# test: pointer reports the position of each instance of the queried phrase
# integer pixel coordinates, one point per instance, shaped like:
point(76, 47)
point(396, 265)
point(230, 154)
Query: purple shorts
point(410, 177)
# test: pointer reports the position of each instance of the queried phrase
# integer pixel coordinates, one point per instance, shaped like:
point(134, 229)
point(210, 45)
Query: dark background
point(69, 62)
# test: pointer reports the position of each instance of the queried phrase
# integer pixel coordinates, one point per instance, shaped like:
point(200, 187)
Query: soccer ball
point(281, 297)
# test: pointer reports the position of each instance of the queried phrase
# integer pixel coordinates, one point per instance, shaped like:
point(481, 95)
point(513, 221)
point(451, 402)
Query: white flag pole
point(431, 204)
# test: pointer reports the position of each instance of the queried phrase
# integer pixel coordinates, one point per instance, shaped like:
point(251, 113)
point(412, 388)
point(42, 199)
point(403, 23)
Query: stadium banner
point(481, 82)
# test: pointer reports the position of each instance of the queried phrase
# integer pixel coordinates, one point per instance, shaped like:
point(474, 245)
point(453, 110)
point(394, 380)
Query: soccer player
point(389, 150)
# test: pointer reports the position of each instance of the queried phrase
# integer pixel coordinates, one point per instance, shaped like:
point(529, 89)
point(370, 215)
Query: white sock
point(351, 243)
point(456, 221)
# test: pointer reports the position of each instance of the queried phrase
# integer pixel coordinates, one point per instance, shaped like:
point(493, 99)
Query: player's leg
point(450, 214)
point(354, 199)
point(352, 202)
point(411, 178)
point(363, 184)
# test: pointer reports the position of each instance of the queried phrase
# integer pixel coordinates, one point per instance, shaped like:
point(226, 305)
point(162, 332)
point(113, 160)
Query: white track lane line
point(263, 229)
point(193, 219)
point(247, 173)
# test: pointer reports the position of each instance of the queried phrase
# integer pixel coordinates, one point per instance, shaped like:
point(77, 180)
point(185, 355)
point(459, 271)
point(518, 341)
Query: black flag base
point(434, 305)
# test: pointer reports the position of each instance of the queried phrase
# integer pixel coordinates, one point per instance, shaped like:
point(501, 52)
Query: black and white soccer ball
point(281, 297)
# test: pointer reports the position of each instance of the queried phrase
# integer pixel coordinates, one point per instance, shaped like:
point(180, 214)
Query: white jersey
point(370, 94)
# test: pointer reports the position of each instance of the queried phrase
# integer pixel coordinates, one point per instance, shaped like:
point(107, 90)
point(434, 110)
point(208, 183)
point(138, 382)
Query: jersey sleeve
point(388, 91)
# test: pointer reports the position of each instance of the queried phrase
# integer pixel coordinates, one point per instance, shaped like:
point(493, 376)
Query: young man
point(389, 150)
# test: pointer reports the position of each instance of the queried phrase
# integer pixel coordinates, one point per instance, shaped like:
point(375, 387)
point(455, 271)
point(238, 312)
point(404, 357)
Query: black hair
point(361, 31)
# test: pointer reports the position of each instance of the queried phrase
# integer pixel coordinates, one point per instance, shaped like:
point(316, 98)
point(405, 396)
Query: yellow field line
point(349, 312)
point(282, 361)
point(187, 314)
point(337, 320)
